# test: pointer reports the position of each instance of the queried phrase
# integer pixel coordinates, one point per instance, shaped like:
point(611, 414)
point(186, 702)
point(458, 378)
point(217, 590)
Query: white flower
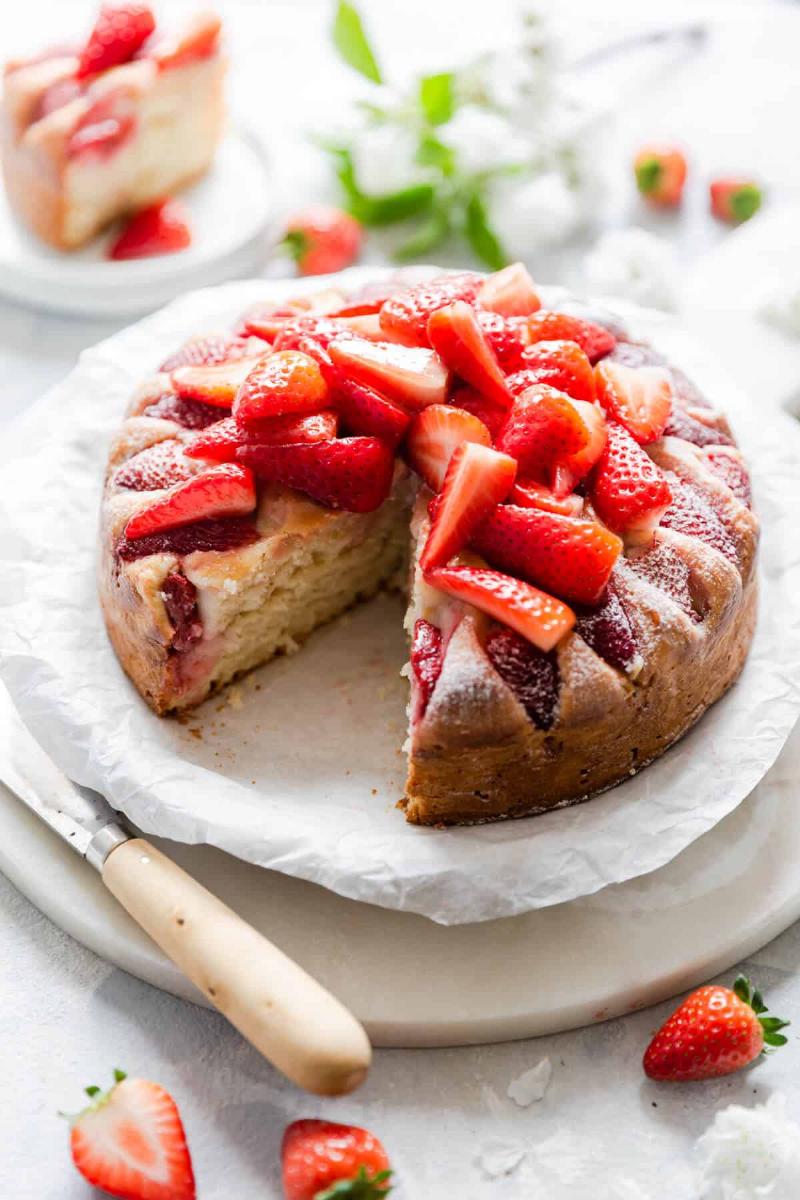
point(532, 214)
point(751, 1154)
point(384, 159)
point(634, 265)
point(483, 140)
point(531, 1085)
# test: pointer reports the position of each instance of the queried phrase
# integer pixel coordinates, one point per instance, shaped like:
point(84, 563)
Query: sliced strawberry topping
point(608, 630)
point(191, 414)
point(455, 333)
point(205, 351)
point(594, 340)
point(571, 557)
point(569, 471)
point(511, 292)
point(507, 337)
point(405, 315)
point(157, 466)
point(105, 127)
point(728, 465)
point(411, 375)
point(216, 384)
point(435, 435)
point(529, 494)
point(162, 228)
point(543, 428)
point(640, 398)
point(683, 425)
point(539, 618)
point(530, 673)
point(284, 383)
point(692, 513)
point(426, 663)
point(666, 570)
point(120, 30)
point(220, 535)
point(199, 39)
point(292, 333)
point(481, 407)
point(478, 478)
point(220, 441)
point(364, 411)
point(628, 490)
point(562, 365)
point(223, 491)
point(180, 601)
point(354, 474)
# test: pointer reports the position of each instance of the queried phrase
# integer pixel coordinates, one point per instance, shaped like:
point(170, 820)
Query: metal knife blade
point(84, 820)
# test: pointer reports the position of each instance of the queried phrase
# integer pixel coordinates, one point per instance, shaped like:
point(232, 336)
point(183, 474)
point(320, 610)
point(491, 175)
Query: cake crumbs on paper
point(531, 1085)
point(196, 732)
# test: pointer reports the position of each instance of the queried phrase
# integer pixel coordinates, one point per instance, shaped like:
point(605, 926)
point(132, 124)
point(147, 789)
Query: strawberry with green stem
point(734, 199)
point(323, 1160)
point(322, 239)
point(660, 175)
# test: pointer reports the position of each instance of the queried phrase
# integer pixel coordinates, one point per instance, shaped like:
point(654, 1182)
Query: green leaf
point(480, 235)
point(119, 1075)
point(92, 1091)
point(745, 202)
point(431, 233)
point(648, 175)
point(437, 97)
point(380, 210)
point(352, 43)
point(362, 1187)
point(432, 152)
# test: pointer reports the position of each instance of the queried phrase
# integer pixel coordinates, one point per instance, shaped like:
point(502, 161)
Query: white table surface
point(67, 1018)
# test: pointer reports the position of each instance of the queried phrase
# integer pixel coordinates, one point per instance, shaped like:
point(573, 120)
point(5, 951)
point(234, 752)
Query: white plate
point(230, 209)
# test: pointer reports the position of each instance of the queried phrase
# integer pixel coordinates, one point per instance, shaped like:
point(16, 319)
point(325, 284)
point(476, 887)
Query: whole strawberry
point(714, 1032)
point(660, 175)
point(734, 200)
point(325, 1161)
point(322, 239)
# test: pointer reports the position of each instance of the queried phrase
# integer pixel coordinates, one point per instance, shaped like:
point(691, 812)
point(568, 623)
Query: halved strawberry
point(216, 384)
point(628, 490)
point(477, 479)
point(363, 410)
point(266, 318)
point(594, 340)
point(130, 1142)
point(455, 333)
point(435, 435)
point(563, 365)
point(405, 314)
point(507, 336)
point(573, 558)
point(660, 174)
point(411, 375)
point(426, 663)
point(197, 40)
point(354, 474)
point(155, 467)
point(528, 494)
point(575, 467)
point(481, 407)
point(163, 228)
point(120, 29)
point(286, 382)
point(734, 200)
point(223, 491)
point(209, 349)
point(511, 292)
point(219, 442)
point(543, 428)
point(640, 398)
point(292, 332)
point(534, 615)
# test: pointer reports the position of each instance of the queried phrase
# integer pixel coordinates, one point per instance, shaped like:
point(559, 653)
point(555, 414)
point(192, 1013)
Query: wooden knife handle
point(281, 1010)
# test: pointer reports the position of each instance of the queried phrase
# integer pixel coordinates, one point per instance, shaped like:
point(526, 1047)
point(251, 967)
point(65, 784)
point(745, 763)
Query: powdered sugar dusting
point(663, 567)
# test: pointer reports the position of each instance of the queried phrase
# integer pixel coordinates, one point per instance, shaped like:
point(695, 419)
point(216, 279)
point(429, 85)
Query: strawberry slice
point(426, 664)
point(220, 441)
point(354, 474)
point(197, 40)
point(528, 494)
point(640, 398)
point(435, 435)
point(507, 336)
point(155, 467)
point(478, 478)
point(405, 315)
point(287, 382)
point(162, 228)
point(561, 364)
point(485, 410)
point(292, 333)
point(130, 1142)
point(534, 615)
point(223, 491)
point(573, 558)
point(543, 428)
point(411, 375)
point(594, 340)
point(628, 490)
point(455, 333)
point(531, 674)
point(572, 469)
point(216, 384)
point(209, 349)
point(120, 30)
point(511, 292)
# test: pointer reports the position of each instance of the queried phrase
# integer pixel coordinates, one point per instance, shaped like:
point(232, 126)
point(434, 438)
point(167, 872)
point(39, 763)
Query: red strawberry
point(573, 468)
point(130, 1142)
point(354, 474)
point(216, 384)
point(482, 408)
point(219, 442)
point(162, 228)
point(660, 175)
point(108, 123)
point(120, 30)
point(534, 615)
point(478, 478)
point(530, 673)
point(411, 375)
point(227, 533)
point(197, 40)
point(714, 1032)
point(507, 336)
point(594, 340)
point(561, 364)
point(191, 414)
point(543, 428)
point(206, 351)
point(571, 557)
point(322, 239)
point(511, 292)
point(157, 466)
point(284, 383)
point(364, 411)
point(640, 398)
point(728, 465)
point(267, 318)
point(528, 494)
point(222, 491)
point(628, 490)
point(320, 1158)
point(405, 315)
point(64, 91)
point(734, 200)
point(435, 434)
point(455, 333)
point(426, 663)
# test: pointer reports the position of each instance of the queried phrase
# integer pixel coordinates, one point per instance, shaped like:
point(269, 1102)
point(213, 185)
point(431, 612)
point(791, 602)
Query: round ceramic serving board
point(229, 209)
point(414, 983)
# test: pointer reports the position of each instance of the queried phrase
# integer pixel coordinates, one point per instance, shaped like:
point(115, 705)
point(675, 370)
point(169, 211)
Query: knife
point(290, 1018)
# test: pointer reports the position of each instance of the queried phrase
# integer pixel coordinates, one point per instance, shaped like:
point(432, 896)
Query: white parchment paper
point(299, 768)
